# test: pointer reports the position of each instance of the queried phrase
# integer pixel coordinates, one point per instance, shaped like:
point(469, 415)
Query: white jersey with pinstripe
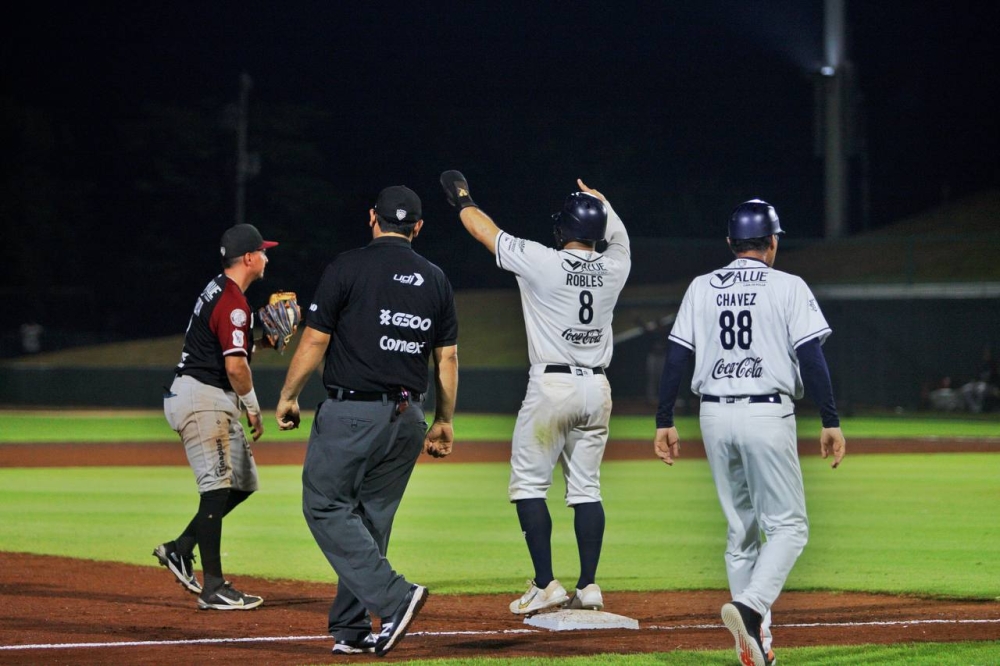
point(746, 321)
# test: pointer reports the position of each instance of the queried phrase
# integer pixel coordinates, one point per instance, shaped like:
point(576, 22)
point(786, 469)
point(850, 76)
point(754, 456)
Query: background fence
point(889, 347)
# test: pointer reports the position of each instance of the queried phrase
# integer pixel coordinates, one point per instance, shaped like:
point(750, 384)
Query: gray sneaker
point(181, 566)
point(228, 597)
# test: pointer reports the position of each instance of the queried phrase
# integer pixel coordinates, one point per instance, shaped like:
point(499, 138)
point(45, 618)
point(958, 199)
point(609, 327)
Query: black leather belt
point(771, 397)
point(568, 369)
point(372, 396)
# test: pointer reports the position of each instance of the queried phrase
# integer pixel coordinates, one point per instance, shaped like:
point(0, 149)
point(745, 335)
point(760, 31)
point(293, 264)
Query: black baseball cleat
point(181, 566)
point(364, 645)
point(744, 624)
point(228, 597)
point(394, 627)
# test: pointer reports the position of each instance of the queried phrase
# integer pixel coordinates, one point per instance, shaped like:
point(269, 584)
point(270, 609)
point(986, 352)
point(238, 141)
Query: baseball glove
point(280, 319)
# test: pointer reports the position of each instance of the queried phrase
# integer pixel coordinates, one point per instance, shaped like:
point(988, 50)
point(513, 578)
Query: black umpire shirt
point(387, 309)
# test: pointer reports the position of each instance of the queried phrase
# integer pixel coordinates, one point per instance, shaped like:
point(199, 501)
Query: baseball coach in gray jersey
point(568, 295)
point(755, 333)
point(378, 315)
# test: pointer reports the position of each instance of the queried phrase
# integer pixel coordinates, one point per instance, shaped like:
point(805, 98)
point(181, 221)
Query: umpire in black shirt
point(377, 316)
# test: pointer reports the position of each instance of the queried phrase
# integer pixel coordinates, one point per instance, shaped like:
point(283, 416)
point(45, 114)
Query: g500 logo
point(404, 320)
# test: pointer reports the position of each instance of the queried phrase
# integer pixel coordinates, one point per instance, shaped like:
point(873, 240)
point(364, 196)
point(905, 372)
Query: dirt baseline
point(52, 601)
point(69, 611)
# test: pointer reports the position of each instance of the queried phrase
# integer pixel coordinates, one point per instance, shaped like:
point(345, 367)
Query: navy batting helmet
point(583, 217)
point(754, 219)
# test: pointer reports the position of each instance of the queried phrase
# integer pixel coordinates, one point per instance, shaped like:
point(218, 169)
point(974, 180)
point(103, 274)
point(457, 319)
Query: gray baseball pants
point(358, 463)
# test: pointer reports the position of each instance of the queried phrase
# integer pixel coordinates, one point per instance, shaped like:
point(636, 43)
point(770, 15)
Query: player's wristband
point(249, 401)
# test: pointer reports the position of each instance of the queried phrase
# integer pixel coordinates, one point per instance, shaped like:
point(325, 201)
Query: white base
point(565, 620)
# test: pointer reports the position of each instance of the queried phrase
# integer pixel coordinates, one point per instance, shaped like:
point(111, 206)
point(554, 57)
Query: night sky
point(118, 122)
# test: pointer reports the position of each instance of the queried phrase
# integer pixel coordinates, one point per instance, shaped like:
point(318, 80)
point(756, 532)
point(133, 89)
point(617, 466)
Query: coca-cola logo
point(588, 337)
point(748, 368)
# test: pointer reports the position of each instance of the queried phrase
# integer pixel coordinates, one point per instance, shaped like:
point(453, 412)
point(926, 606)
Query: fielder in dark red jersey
point(203, 406)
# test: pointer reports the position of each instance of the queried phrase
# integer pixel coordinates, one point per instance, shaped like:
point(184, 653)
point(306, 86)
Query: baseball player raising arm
point(568, 295)
point(755, 333)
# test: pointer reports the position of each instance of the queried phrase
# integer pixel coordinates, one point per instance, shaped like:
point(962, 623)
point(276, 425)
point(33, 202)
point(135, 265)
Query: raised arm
point(615, 234)
point(479, 225)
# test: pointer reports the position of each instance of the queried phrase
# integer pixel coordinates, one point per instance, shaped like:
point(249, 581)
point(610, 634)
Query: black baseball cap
point(398, 204)
point(242, 238)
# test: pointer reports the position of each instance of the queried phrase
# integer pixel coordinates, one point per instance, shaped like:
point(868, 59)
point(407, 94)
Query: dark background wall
point(882, 354)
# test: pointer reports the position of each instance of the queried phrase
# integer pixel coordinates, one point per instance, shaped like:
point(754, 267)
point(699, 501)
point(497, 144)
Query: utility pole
point(243, 158)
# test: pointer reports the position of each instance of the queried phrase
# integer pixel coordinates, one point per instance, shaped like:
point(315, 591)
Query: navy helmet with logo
point(754, 219)
point(583, 217)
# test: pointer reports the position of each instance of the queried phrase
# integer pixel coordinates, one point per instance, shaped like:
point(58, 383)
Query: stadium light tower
point(835, 71)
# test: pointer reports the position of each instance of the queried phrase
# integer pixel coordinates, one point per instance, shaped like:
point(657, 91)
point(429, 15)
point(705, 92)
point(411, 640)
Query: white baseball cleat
point(537, 599)
point(589, 598)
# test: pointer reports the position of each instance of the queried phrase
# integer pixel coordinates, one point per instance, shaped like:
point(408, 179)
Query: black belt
point(568, 369)
point(372, 396)
point(771, 397)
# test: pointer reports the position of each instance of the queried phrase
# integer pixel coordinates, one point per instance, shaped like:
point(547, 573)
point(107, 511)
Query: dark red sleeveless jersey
point(222, 324)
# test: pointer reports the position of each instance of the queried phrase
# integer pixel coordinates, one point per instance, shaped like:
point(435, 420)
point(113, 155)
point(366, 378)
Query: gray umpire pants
point(358, 463)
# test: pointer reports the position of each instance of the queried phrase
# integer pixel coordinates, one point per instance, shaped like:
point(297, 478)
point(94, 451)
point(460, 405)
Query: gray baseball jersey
point(745, 321)
point(568, 296)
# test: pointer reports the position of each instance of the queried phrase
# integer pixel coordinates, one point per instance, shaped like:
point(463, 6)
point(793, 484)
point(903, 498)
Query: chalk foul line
point(286, 639)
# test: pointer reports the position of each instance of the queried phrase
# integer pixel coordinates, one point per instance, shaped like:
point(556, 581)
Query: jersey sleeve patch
point(506, 244)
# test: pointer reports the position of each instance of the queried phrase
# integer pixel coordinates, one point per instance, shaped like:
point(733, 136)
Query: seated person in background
point(982, 393)
point(945, 398)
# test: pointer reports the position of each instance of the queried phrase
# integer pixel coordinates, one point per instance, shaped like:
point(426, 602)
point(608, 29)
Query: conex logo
point(403, 320)
point(416, 279)
point(402, 346)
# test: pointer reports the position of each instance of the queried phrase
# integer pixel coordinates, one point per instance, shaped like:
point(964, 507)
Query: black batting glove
point(456, 189)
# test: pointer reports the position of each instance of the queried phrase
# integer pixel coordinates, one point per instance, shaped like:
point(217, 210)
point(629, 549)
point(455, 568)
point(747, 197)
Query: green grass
point(882, 523)
point(150, 426)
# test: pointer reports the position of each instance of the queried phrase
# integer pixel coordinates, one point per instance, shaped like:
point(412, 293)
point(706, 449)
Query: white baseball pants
point(751, 448)
point(563, 418)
